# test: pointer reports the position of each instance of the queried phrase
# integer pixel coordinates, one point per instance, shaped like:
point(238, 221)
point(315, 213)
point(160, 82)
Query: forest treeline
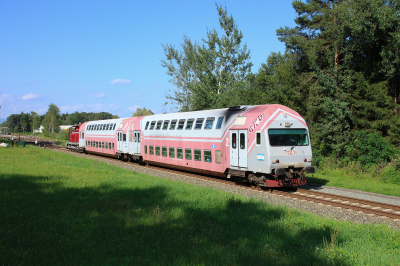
point(340, 71)
point(51, 120)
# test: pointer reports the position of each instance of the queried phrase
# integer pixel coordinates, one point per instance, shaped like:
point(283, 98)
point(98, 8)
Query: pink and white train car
point(266, 145)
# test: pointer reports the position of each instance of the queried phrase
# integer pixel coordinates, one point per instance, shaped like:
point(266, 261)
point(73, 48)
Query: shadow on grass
point(44, 223)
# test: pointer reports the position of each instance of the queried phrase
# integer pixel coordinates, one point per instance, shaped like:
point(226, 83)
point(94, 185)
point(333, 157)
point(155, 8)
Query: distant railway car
point(265, 145)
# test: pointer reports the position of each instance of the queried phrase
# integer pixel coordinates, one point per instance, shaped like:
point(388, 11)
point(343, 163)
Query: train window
point(172, 152)
point(159, 124)
point(114, 126)
point(104, 126)
point(130, 136)
point(97, 144)
point(209, 123)
point(151, 149)
point(106, 146)
point(181, 123)
point(179, 153)
point(258, 138)
point(97, 126)
point(234, 140)
point(288, 137)
point(242, 141)
point(147, 125)
point(83, 135)
point(164, 151)
point(218, 156)
point(188, 154)
point(158, 150)
point(208, 156)
point(102, 145)
point(113, 146)
point(199, 123)
point(108, 126)
point(197, 155)
point(153, 123)
point(165, 125)
point(86, 143)
point(189, 124)
point(173, 124)
point(124, 137)
point(145, 149)
point(219, 122)
point(109, 146)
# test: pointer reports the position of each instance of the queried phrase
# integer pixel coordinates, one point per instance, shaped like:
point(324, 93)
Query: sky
point(104, 56)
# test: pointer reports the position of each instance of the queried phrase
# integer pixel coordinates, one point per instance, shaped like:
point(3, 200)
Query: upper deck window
point(114, 126)
point(209, 123)
point(147, 125)
point(288, 137)
point(165, 125)
point(189, 124)
point(219, 122)
point(159, 124)
point(153, 123)
point(199, 123)
point(173, 125)
point(181, 123)
point(108, 125)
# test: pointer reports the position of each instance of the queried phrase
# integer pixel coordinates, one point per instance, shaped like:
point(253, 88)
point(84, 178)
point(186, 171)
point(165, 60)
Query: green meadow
point(59, 209)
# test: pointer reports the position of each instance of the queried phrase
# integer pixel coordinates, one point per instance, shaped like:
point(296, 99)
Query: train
point(263, 145)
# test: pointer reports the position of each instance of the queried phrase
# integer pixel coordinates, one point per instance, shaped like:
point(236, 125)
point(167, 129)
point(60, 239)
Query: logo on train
point(255, 123)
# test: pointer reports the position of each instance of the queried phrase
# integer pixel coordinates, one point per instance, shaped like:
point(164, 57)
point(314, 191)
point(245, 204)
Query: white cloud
point(121, 81)
point(98, 95)
point(30, 96)
point(133, 108)
point(5, 98)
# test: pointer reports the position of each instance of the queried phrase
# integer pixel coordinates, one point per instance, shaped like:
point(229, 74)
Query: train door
point(119, 141)
point(137, 142)
point(125, 142)
point(82, 139)
point(238, 148)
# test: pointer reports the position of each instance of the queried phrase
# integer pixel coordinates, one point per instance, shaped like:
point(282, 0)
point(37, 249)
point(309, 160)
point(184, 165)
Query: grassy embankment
point(61, 209)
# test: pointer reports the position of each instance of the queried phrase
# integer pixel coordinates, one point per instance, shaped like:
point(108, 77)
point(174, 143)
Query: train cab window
point(153, 123)
point(147, 125)
point(124, 137)
point(258, 138)
point(164, 151)
point(172, 152)
point(165, 125)
point(181, 123)
point(219, 122)
point(234, 140)
point(173, 125)
point(145, 149)
point(159, 124)
point(189, 124)
point(151, 149)
point(179, 153)
point(158, 150)
point(218, 156)
point(242, 141)
point(188, 154)
point(199, 123)
point(208, 156)
point(209, 123)
point(197, 155)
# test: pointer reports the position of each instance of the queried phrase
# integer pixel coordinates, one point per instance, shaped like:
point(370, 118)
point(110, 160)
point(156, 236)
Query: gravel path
point(311, 207)
point(355, 194)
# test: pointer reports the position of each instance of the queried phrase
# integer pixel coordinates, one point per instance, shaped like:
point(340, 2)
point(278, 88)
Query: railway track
point(365, 206)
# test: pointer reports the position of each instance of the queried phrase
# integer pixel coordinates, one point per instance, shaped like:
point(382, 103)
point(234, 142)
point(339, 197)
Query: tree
point(36, 120)
point(142, 112)
point(52, 119)
point(213, 74)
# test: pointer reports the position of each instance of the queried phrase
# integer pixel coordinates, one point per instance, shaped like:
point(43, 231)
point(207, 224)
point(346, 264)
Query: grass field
point(58, 209)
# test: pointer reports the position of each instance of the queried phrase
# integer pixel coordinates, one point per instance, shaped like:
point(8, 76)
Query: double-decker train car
point(265, 145)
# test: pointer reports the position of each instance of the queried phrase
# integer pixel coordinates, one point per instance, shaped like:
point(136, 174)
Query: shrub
point(370, 149)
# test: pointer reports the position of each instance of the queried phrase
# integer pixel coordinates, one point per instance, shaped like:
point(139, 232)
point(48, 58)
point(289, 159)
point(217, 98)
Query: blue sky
point(98, 56)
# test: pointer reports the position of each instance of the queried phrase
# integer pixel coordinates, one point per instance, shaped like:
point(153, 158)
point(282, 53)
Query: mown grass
point(58, 209)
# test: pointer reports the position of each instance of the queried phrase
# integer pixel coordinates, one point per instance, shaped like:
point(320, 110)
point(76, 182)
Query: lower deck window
point(158, 150)
point(145, 148)
point(113, 146)
point(218, 156)
point(151, 150)
point(197, 155)
point(188, 154)
point(207, 156)
point(172, 152)
point(97, 144)
point(179, 153)
point(164, 151)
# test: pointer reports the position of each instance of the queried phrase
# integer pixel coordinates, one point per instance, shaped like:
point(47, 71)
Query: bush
point(371, 149)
